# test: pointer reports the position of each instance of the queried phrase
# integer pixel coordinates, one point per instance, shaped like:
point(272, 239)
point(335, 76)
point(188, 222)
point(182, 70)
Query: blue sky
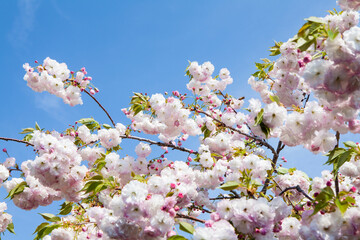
point(132, 46)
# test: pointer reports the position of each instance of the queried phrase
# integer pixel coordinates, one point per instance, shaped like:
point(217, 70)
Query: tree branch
point(273, 162)
point(337, 175)
point(161, 144)
point(179, 215)
point(16, 140)
point(259, 140)
point(297, 188)
point(113, 123)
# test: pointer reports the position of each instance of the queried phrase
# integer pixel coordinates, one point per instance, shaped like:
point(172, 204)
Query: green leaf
point(186, 227)
point(265, 129)
point(259, 117)
point(302, 30)
point(282, 170)
point(50, 217)
point(96, 177)
point(41, 226)
point(205, 131)
point(139, 103)
point(10, 227)
point(91, 186)
point(17, 190)
point(350, 144)
point(90, 123)
point(342, 158)
point(37, 127)
point(66, 208)
point(177, 237)
point(28, 137)
point(27, 130)
point(228, 186)
point(107, 126)
point(275, 50)
point(315, 19)
point(323, 199)
point(332, 34)
point(46, 230)
point(341, 205)
point(275, 98)
point(100, 188)
point(169, 194)
point(303, 46)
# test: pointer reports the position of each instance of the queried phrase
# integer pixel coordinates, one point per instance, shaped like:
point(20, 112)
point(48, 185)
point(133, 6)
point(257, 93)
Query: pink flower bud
point(209, 223)
point(307, 58)
point(215, 216)
point(172, 212)
point(83, 70)
point(172, 185)
point(180, 195)
point(4, 150)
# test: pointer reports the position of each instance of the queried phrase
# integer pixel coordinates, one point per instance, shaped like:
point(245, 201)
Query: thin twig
point(161, 144)
point(16, 140)
point(113, 123)
point(273, 163)
point(81, 206)
point(259, 140)
point(235, 193)
point(179, 215)
point(224, 197)
point(337, 174)
point(306, 100)
point(87, 144)
point(297, 188)
point(287, 197)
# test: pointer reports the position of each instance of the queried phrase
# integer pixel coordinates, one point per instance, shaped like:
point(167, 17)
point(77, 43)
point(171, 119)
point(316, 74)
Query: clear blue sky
point(132, 46)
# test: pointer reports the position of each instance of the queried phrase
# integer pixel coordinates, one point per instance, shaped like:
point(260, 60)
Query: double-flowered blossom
point(54, 78)
point(5, 218)
point(58, 165)
point(220, 188)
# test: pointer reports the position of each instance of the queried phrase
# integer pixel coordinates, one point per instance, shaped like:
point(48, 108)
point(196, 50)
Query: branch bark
point(179, 215)
point(161, 144)
point(273, 162)
point(16, 140)
point(256, 138)
point(113, 123)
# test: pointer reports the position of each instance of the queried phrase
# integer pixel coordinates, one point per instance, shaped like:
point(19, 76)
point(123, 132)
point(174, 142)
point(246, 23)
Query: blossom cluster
point(54, 78)
point(230, 185)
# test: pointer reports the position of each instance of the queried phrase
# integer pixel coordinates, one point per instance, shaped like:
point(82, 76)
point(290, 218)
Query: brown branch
point(87, 144)
point(161, 144)
point(287, 197)
point(78, 203)
point(336, 174)
point(273, 162)
point(224, 197)
point(16, 140)
point(113, 123)
point(297, 188)
point(179, 215)
point(259, 140)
